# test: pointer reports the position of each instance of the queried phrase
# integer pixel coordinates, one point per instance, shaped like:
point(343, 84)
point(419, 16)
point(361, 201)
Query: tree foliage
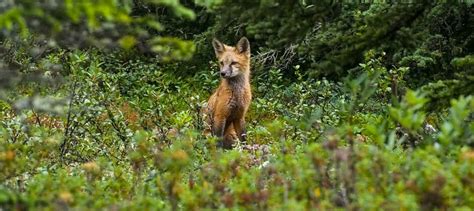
point(330, 39)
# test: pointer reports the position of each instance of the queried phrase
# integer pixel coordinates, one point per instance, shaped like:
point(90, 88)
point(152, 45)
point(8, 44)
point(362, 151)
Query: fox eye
point(233, 63)
point(221, 63)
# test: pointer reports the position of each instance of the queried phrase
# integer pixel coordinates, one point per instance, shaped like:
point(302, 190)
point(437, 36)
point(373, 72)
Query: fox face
point(233, 60)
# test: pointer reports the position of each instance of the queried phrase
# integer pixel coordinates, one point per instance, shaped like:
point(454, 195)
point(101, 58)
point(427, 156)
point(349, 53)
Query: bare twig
point(62, 147)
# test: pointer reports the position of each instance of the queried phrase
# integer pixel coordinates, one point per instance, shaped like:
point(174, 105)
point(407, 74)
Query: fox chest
point(235, 103)
point(238, 103)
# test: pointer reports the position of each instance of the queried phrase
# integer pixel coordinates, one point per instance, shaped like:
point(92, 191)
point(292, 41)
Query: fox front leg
point(218, 129)
point(240, 129)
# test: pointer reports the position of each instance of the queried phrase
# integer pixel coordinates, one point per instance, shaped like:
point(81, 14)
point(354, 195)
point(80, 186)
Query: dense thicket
point(434, 40)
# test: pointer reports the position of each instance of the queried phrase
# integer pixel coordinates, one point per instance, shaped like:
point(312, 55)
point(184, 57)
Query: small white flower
point(264, 164)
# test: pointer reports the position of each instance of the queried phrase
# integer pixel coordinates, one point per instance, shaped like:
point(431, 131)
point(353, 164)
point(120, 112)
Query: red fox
point(228, 105)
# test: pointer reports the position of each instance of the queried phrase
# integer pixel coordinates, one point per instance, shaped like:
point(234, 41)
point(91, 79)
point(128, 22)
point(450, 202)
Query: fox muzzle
point(226, 72)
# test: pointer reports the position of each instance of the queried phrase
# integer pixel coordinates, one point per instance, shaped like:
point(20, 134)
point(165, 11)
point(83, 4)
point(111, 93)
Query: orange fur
point(228, 105)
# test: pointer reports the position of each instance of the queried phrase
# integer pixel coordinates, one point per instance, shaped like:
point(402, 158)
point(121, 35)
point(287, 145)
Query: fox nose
point(222, 74)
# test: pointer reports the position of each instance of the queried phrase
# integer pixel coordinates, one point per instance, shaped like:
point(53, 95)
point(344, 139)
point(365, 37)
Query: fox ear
point(243, 46)
point(218, 46)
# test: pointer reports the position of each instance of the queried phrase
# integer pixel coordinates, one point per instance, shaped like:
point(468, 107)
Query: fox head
point(233, 60)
